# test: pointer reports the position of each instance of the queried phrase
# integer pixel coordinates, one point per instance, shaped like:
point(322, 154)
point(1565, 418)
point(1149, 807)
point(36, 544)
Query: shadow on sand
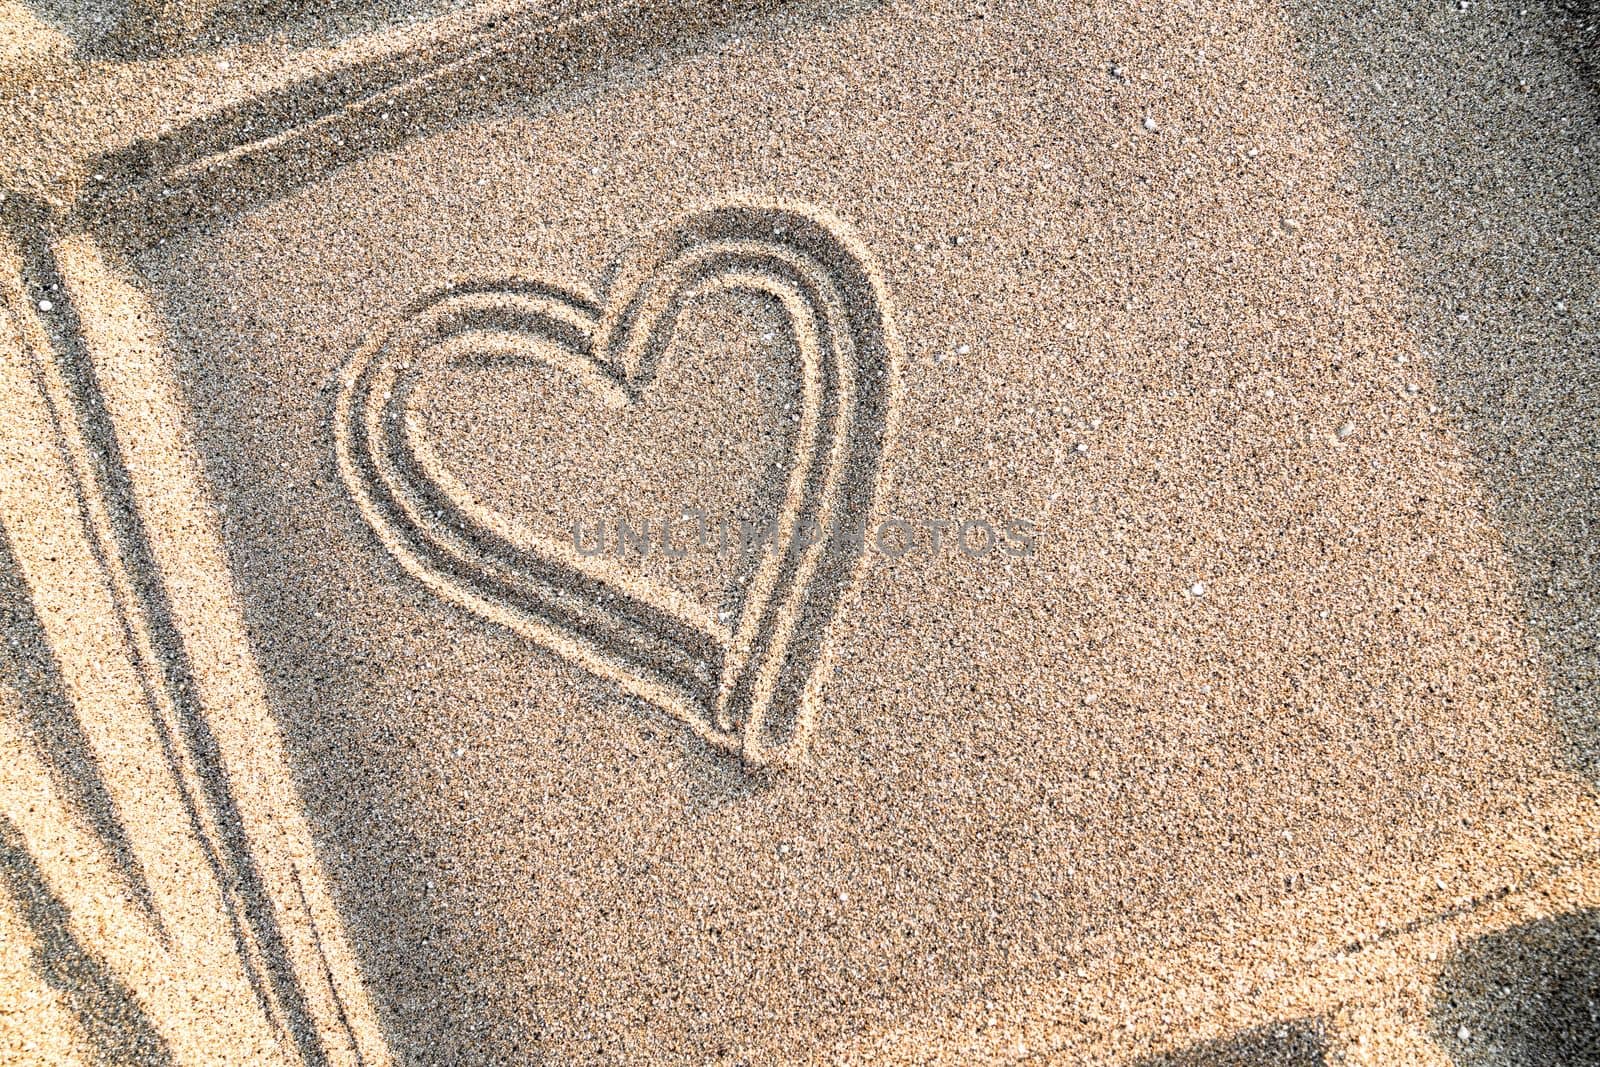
point(1298, 1043)
point(1496, 233)
point(1529, 995)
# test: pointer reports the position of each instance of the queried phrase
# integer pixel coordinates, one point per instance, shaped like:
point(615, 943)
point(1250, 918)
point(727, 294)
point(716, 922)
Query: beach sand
point(1277, 324)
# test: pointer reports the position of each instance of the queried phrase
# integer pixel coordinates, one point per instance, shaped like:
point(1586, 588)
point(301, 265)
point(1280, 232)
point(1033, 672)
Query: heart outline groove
point(751, 689)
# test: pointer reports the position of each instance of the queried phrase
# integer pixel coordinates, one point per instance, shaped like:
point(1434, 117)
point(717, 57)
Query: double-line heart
point(748, 688)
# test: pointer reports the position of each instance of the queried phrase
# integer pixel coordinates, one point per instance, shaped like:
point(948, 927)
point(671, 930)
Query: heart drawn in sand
point(749, 687)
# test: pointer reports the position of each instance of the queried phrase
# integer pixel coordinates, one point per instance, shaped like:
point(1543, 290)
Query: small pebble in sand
point(1411, 388)
point(1117, 71)
point(1197, 589)
point(45, 305)
point(1253, 153)
point(223, 64)
point(1465, 1033)
point(1344, 432)
point(1090, 698)
point(1289, 225)
point(963, 350)
point(1150, 124)
point(1080, 448)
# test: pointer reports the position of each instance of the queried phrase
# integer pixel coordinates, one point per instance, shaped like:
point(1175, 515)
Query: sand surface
point(1277, 324)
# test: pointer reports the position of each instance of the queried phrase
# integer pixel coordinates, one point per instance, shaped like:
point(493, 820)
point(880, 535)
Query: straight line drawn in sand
point(750, 689)
point(368, 95)
point(194, 886)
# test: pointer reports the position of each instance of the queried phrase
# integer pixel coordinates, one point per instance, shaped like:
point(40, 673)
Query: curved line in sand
point(752, 690)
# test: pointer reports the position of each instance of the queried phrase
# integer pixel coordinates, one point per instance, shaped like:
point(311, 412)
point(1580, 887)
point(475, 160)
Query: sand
point(1275, 326)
